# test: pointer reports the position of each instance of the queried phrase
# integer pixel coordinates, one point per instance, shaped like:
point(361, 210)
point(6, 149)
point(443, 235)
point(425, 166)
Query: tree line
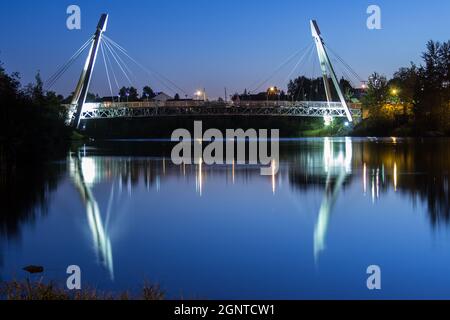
point(30, 117)
point(416, 101)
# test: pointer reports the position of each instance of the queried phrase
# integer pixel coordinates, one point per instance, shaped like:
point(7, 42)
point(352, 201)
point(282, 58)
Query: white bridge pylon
point(327, 69)
point(81, 91)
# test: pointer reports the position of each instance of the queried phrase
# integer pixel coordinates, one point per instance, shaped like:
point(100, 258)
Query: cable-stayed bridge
point(114, 54)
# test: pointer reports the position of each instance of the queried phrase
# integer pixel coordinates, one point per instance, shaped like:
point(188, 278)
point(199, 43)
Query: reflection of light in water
point(100, 235)
point(378, 183)
point(327, 153)
point(365, 178)
point(129, 184)
point(335, 166)
point(199, 177)
point(164, 166)
point(395, 176)
point(148, 175)
point(274, 164)
point(89, 170)
point(232, 172)
point(348, 155)
point(158, 184)
point(373, 188)
point(341, 161)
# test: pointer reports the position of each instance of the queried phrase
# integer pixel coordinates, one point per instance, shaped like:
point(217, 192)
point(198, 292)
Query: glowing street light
point(201, 95)
point(272, 90)
point(394, 91)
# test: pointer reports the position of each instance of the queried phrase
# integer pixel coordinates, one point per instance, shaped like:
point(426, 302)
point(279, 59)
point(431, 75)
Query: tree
point(148, 93)
point(376, 95)
point(406, 82)
point(347, 89)
point(30, 115)
point(129, 94)
point(434, 96)
point(134, 95)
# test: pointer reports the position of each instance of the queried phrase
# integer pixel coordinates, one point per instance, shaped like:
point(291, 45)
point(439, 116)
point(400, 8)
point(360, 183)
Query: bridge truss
point(298, 109)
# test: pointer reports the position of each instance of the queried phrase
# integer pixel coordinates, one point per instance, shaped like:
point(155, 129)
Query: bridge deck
point(296, 109)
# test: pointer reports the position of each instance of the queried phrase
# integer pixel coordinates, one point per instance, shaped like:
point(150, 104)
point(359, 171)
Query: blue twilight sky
point(214, 44)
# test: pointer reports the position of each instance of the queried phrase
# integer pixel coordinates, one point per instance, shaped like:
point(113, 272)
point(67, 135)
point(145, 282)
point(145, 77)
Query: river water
point(124, 213)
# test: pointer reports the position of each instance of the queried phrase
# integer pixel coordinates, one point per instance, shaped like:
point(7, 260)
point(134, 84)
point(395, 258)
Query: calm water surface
point(125, 214)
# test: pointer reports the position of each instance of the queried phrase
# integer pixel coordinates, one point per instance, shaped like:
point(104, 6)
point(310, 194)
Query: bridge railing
point(207, 104)
point(200, 108)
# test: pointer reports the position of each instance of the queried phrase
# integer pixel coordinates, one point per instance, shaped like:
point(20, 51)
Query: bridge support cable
point(260, 83)
point(169, 84)
point(112, 69)
point(158, 76)
point(113, 44)
point(344, 73)
point(300, 61)
point(345, 64)
point(130, 72)
point(112, 48)
point(307, 60)
point(122, 68)
point(61, 70)
point(106, 69)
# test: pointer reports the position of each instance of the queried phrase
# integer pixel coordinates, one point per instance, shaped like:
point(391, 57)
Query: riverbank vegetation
point(27, 290)
point(32, 120)
point(415, 102)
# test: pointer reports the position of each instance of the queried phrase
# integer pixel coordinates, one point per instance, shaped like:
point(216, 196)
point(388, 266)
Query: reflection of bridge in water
point(80, 170)
point(331, 165)
point(337, 159)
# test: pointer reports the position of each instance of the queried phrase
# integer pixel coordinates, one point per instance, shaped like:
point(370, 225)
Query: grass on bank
point(26, 290)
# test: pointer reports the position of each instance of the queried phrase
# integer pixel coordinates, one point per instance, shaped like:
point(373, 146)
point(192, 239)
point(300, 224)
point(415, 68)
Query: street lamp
point(199, 94)
point(272, 90)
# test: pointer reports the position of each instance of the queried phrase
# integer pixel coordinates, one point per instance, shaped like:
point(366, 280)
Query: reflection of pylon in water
point(338, 166)
point(102, 242)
